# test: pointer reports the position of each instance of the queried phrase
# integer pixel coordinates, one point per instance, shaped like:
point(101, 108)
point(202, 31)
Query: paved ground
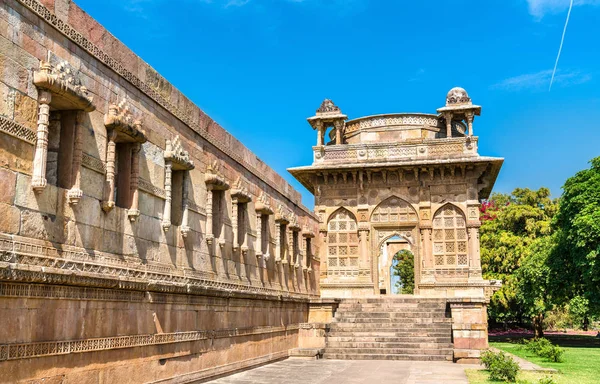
point(300, 371)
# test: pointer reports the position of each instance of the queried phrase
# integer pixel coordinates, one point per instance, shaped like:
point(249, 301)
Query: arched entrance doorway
point(387, 250)
point(402, 273)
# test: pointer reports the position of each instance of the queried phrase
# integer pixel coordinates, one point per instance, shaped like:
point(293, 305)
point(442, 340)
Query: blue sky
point(261, 67)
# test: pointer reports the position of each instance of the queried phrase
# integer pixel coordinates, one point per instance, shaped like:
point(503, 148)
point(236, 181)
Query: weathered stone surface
point(8, 182)
point(42, 226)
point(26, 110)
point(10, 219)
point(45, 201)
point(15, 154)
point(7, 96)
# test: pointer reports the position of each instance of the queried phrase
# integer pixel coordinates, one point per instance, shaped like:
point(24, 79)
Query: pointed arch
point(450, 241)
point(403, 235)
point(342, 243)
point(341, 210)
point(393, 210)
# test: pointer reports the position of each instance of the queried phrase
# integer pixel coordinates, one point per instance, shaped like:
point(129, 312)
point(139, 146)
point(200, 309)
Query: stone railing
point(393, 120)
point(383, 152)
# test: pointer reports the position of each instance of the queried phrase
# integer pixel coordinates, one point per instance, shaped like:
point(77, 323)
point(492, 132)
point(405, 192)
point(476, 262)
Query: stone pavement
point(302, 371)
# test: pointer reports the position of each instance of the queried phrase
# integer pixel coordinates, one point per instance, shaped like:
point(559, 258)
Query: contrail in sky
point(562, 40)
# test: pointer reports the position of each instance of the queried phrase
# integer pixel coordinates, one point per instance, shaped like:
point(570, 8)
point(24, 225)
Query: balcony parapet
point(392, 152)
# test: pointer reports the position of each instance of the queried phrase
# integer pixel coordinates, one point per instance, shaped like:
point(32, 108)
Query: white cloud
point(540, 80)
point(539, 8)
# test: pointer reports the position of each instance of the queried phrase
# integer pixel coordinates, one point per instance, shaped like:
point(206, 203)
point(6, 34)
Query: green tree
point(533, 282)
point(511, 224)
point(404, 268)
point(575, 265)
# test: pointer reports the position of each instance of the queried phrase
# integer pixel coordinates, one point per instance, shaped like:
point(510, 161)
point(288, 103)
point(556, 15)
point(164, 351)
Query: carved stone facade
point(135, 233)
point(412, 179)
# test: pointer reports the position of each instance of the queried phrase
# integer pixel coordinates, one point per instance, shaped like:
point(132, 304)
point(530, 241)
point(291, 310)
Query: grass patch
point(581, 363)
point(483, 377)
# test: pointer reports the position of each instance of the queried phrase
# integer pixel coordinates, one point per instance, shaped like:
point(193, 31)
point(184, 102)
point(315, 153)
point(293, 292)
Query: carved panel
point(393, 209)
point(65, 347)
point(17, 130)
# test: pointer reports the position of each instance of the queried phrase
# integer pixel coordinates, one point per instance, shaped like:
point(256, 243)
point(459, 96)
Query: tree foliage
point(404, 268)
point(575, 264)
point(547, 253)
point(514, 227)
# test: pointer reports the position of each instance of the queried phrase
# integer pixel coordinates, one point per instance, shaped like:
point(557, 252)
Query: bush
point(546, 380)
point(553, 353)
point(501, 366)
point(537, 345)
point(544, 348)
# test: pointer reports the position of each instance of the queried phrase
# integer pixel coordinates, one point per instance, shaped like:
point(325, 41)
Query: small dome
point(457, 95)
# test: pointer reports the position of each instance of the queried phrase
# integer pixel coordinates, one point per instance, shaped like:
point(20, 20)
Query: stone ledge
point(307, 353)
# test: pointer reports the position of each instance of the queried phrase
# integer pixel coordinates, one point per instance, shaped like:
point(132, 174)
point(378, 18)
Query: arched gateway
point(409, 181)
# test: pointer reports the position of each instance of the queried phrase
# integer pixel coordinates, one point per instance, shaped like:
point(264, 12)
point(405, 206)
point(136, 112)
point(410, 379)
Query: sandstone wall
point(91, 296)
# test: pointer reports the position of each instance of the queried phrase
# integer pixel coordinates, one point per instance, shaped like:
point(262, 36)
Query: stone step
point(390, 314)
point(358, 334)
point(391, 339)
point(392, 306)
point(363, 356)
point(406, 345)
point(391, 351)
point(395, 320)
point(391, 327)
point(396, 299)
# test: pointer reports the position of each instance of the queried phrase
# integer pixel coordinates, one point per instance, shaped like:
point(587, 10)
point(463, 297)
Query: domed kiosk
point(409, 181)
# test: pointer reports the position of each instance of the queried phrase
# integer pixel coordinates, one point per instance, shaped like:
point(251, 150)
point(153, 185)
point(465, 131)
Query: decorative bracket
point(60, 88)
point(122, 128)
point(215, 181)
point(176, 159)
point(239, 195)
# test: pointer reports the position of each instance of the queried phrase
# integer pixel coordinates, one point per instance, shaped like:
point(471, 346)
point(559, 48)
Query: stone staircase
point(390, 328)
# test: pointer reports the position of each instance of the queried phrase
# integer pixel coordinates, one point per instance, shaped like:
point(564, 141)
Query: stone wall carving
point(64, 347)
point(17, 130)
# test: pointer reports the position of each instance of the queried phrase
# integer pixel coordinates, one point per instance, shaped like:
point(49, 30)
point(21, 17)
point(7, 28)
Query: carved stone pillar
point(427, 255)
point(320, 133)
point(185, 228)
point(323, 252)
point(109, 186)
point(75, 193)
point(262, 208)
point(234, 222)
point(209, 215)
point(133, 212)
point(258, 245)
point(38, 182)
point(166, 221)
point(364, 247)
point(448, 117)
point(474, 253)
point(308, 235)
point(469, 118)
point(339, 126)
point(278, 242)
